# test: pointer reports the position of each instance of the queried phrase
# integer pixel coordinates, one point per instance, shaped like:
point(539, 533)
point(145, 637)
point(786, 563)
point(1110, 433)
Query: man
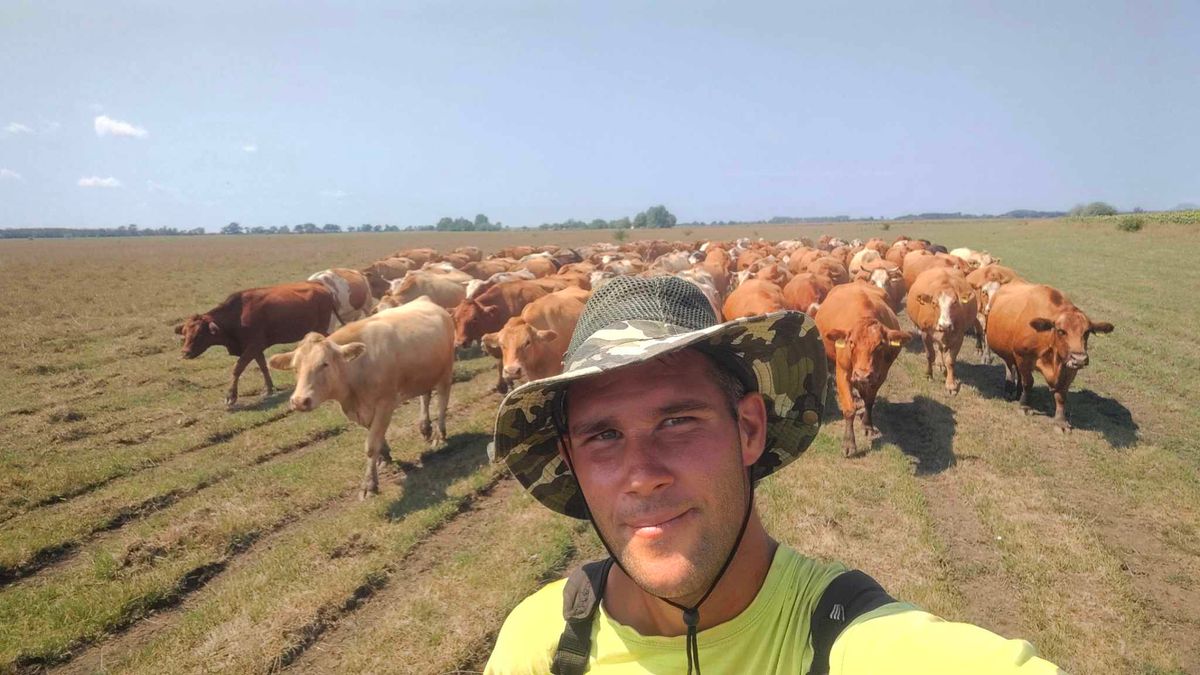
point(656, 432)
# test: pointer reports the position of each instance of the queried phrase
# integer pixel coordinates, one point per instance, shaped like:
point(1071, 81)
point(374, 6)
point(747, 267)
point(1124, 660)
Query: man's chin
point(666, 577)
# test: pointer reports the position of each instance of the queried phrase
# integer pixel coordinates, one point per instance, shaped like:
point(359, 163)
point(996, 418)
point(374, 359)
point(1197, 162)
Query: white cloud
point(15, 128)
point(250, 147)
point(106, 126)
point(9, 174)
point(98, 182)
point(334, 194)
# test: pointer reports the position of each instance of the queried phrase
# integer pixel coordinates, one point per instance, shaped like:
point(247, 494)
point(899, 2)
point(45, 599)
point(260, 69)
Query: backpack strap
point(581, 597)
point(850, 595)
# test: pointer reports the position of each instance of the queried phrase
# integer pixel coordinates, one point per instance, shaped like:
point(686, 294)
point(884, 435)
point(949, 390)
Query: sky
point(278, 113)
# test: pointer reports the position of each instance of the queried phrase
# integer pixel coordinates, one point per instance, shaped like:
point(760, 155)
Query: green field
point(145, 527)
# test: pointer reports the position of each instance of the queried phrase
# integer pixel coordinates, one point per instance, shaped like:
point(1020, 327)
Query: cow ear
point(1102, 327)
point(1041, 325)
point(213, 327)
point(281, 361)
point(353, 350)
point(549, 335)
point(924, 299)
point(835, 334)
point(897, 338)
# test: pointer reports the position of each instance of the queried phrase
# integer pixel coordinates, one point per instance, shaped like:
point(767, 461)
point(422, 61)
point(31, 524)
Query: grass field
point(143, 526)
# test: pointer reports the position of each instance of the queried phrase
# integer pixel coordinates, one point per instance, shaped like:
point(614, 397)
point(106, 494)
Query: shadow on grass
point(923, 429)
point(426, 484)
point(280, 397)
point(1092, 412)
point(987, 380)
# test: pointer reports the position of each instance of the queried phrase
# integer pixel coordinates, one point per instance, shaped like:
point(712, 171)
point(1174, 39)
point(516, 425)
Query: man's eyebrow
point(588, 428)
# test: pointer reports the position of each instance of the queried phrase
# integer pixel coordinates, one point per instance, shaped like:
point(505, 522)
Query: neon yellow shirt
point(770, 636)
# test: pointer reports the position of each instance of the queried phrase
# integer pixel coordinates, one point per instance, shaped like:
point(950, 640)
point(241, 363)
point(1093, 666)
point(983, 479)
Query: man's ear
point(1041, 325)
point(752, 426)
point(281, 361)
point(353, 350)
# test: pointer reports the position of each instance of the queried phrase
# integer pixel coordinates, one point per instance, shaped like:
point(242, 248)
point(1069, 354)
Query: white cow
point(371, 366)
point(352, 299)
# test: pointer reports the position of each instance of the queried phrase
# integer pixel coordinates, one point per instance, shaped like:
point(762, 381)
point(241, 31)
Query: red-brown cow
point(1030, 326)
point(943, 306)
point(488, 312)
point(805, 292)
point(862, 339)
point(753, 297)
point(250, 321)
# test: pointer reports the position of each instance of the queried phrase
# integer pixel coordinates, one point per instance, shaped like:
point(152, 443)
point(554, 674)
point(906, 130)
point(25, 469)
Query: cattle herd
point(373, 338)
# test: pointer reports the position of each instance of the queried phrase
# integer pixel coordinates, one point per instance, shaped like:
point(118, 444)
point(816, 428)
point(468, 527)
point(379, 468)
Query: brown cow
point(1030, 326)
point(532, 345)
point(862, 339)
point(489, 311)
point(942, 305)
point(918, 261)
point(887, 276)
point(539, 265)
point(421, 256)
point(441, 288)
point(249, 321)
point(828, 267)
point(484, 269)
point(753, 297)
point(352, 298)
point(371, 366)
point(805, 292)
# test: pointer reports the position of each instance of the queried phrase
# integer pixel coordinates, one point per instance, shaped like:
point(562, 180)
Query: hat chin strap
point(691, 615)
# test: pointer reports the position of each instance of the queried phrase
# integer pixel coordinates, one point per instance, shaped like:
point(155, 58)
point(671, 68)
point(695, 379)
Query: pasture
point(145, 527)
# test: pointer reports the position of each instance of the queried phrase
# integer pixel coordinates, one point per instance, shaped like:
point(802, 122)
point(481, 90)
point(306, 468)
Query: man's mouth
point(654, 526)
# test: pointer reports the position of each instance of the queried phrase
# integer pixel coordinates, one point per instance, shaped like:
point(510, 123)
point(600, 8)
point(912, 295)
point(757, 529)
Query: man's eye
point(606, 435)
point(676, 421)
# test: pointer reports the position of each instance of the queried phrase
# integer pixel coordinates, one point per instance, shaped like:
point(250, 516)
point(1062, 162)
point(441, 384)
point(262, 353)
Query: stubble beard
point(718, 527)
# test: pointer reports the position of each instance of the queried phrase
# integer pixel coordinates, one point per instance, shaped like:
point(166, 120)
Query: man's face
point(662, 461)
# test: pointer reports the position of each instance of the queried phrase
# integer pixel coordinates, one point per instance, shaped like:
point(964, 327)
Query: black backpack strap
point(850, 595)
point(581, 597)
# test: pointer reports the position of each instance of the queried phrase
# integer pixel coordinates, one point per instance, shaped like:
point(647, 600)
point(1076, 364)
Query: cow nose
point(944, 326)
point(303, 403)
point(1078, 360)
point(860, 376)
point(512, 372)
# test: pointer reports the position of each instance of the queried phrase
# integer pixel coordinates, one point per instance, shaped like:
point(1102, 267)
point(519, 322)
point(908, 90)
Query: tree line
point(655, 217)
point(131, 230)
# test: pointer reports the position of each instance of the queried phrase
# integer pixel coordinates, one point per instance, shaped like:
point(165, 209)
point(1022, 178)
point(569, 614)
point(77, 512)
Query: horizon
point(534, 113)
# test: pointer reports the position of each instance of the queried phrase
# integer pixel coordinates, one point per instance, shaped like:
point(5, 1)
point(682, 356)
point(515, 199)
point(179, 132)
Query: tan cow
point(1034, 326)
point(752, 298)
point(805, 292)
point(532, 345)
point(440, 288)
point(379, 274)
point(352, 298)
point(371, 366)
point(943, 306)
point(862, 339)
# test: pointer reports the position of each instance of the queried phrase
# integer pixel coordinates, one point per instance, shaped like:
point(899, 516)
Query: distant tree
point(232, 228)
point(620, 224)
point(258, 229)
point(1094, 209)
point(621, 235)
point(654, 217)
point(379, 228)
point(481, 221)
point(391, 228)
point(332, 227)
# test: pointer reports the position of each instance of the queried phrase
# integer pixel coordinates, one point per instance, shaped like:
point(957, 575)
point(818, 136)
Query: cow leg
point(927, 340)
point(949, 355)
point(1025, 370)
point(985, 354)
point(847, 403)
point(377, 448)
point(262, 365)
point(1060, 399)
point(443, 402)
point(939, 347)
point(868, 421)
point(1011, 381)
point(426, 426)
point(243, 361)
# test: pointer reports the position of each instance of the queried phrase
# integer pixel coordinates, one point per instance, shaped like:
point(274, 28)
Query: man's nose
point(644, 467)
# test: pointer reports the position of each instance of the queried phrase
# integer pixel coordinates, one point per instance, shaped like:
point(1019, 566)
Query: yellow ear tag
point(964, 299)
point(840, 344)
point(895, 343)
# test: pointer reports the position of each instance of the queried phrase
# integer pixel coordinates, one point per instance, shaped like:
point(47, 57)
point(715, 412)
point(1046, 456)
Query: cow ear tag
point(895, 343)
point(964, 299)
point(840, 344)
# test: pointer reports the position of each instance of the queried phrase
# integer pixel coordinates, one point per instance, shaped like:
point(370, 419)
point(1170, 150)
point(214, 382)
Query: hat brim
point(781, 352)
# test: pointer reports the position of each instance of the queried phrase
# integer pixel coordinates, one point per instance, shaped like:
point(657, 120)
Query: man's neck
point(627, 603)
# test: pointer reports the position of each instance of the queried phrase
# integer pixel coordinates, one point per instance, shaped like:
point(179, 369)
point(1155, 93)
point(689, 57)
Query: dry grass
point(139, 515)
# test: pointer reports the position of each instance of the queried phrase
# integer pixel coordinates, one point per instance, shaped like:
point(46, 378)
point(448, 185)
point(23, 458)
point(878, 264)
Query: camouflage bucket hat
point(632, 320)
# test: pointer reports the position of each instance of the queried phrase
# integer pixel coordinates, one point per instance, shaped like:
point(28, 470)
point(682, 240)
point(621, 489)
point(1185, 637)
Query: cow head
point(320, 366)
point(1069, 333)
point(199, 333)
point(527, 352)
point(472, 320)
point(947, 303)
point(866, 351)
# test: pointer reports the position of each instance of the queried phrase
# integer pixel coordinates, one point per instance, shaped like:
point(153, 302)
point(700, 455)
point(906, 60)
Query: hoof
point(1063, 426)
point(230, 401)
point(1026, 410)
